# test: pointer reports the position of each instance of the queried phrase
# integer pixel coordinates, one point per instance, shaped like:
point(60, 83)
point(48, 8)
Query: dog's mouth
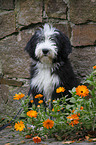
point(46, 59)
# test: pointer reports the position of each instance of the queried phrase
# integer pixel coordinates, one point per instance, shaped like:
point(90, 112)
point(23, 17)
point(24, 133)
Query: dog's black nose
point(45, 51)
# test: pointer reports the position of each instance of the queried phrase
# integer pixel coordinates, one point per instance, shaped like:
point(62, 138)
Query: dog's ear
point(30, 47)
point(63, 44)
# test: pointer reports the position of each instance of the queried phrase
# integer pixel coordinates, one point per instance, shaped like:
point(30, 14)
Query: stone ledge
point(11, 82)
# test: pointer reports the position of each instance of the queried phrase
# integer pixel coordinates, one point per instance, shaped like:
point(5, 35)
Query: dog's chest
point(44, 81)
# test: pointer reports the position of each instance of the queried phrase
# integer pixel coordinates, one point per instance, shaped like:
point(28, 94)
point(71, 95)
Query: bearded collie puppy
point(49, 49)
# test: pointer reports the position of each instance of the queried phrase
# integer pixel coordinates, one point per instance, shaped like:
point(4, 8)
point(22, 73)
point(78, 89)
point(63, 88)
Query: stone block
point(84, 35)
point(55, 9)
point(15, 61)
point(6, 4)
point(7, 23)
point(83, 60)
point(82, 11)
point(29, 11)
point(65, 28)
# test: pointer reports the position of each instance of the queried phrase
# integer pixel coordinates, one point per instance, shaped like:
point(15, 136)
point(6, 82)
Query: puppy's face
point(46, 50)
point(48, 45)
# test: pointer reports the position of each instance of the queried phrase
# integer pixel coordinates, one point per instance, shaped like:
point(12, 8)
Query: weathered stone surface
point(65, 28)
point(15, 61)
point(29, 11)
point(6, 4)
point(83, 60)
point(83, 35)
point(55, 9)
point(82, 11)
point(4, 94)
point(11, 82)
point(7, 23)
point(9, 106)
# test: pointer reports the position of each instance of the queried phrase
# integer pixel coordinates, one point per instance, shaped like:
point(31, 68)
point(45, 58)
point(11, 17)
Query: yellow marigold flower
point(60, 89)
point(18, 96)
point(38, 106)
point(32, 113)
point(81, 108)
point(36, 139)
point(40, 102)
point(82, 91)
point(19, 126)
point(39, 96)
point(31, 101)
point(94, 67)
point(48, 123)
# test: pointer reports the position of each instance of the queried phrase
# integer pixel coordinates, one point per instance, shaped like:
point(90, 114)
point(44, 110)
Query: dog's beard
point(46, 60)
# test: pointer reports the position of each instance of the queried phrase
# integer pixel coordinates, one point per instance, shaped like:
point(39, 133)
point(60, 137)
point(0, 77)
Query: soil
point(9, 136)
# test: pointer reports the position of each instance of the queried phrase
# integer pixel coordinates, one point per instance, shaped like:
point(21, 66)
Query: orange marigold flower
point(53, 109)
point(73, 111)
point(60, 89)
point(48, 123)
point(74, 119)
point(18, 96)
point(82, 91)
point(39, 96)
point(32, 113)
point(94, 67)
point(78, 114)
point(36, 139)
point(40, 102)
point(31, 101)
point(53, 100)
point(81, 108)
point(73, 116)
point(74, 122)
point(38, 106)
point(19, 126)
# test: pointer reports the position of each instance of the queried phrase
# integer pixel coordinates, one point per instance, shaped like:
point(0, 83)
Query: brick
point(82, 11)
point(29, 11)
point(55, 9)
point(7, 23)
point(83, 35)
point(15, 61)
point(6, 4)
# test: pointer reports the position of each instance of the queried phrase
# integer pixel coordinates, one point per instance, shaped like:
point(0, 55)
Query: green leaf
point(72, 100)
point(68, 106)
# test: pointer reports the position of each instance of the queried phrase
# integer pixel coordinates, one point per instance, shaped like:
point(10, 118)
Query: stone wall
point(18, 21)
